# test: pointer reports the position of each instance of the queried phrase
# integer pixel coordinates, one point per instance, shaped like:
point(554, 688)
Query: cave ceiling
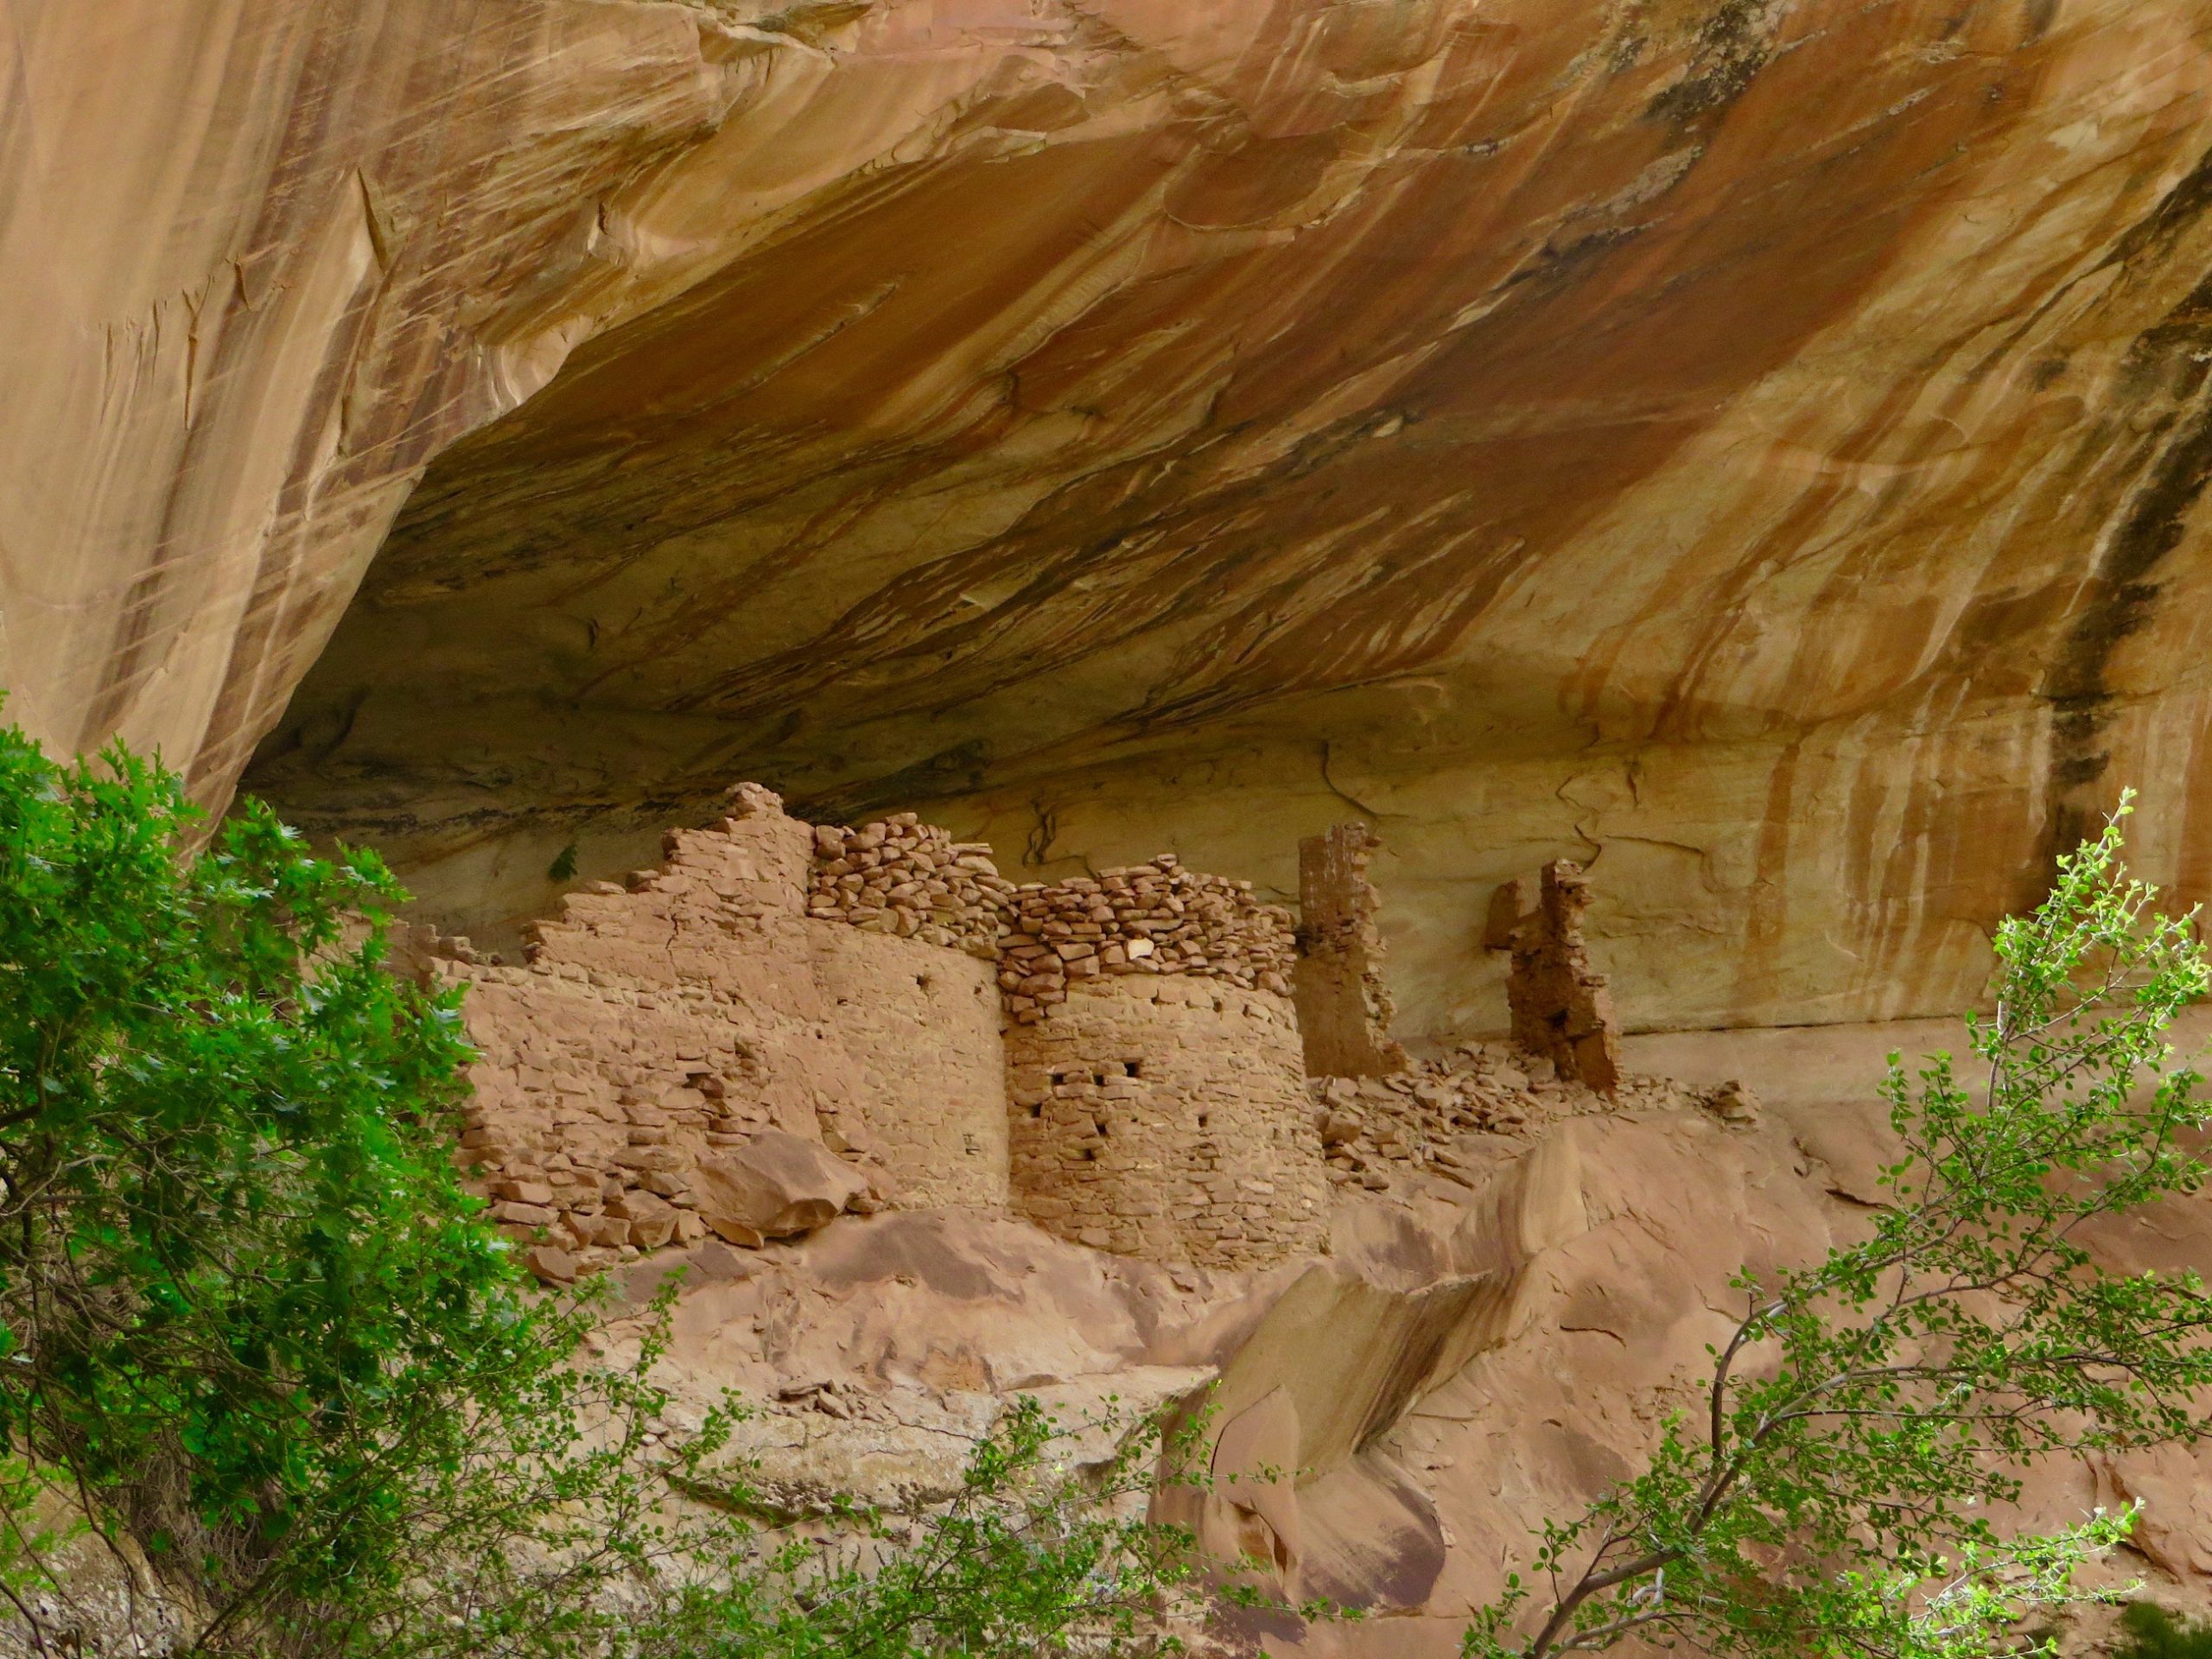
point(1753, 446)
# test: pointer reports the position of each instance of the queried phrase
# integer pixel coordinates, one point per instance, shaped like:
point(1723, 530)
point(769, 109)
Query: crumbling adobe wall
point(1158, 1083)
point(595, 1098)
point(1344, 1004)
point(698, 1005)
point(909, 984)
point(918, 1026)
point(1118, 1056)
point(1561, 1006)
point(1167, 1118)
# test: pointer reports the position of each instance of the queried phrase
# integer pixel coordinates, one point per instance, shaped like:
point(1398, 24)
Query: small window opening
point(1091, 1154)
point(1203, 1118)
point(1133, 1068)
point(1099, 1123)
point(1038, 1110)
point(1098, 1077)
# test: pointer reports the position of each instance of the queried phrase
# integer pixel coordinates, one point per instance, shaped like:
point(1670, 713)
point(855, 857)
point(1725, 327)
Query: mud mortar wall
point(1167, 1118)
point(918, 1026)
point(1147, 919)
point(876, 991)
point(699, 1005)
point(909, 878)
point(1345, 1007)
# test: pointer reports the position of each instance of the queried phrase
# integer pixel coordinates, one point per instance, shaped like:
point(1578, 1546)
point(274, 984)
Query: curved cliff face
point(1751, 445)
point(259, 261)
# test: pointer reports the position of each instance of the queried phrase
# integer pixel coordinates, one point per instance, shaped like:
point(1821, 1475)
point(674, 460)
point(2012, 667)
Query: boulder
point(1339, 1128)
point(651, 1218)
point(881, 1192)
point(776, 1185)
point(552, 1264)
point(1735, 1103)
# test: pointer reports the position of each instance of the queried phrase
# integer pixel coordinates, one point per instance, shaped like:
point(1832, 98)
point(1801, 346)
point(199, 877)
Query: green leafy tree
point(1835, 1493)
point(1028, 1559)
point(581, 1527)
point(241, 1292)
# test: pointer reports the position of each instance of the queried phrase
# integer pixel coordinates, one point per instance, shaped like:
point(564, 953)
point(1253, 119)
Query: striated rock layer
point(1751, 447)
point(259, 262)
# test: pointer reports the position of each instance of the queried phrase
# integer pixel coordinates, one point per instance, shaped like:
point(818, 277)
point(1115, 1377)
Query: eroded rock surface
point(259, 260)
point(1391, 1423)
point(1751, 449)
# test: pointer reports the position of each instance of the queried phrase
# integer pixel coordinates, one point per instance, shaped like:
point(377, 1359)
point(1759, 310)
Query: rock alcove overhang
point(1754, 448)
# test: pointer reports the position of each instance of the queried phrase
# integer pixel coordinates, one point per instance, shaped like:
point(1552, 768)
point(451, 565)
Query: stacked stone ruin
point(1376, 1130)
point(1155, 1069)
point(1561, 1006)
point(1343, 1003)
point(671, 1035)
point(1148, 918)
point(911, 880)
point(786, 1022)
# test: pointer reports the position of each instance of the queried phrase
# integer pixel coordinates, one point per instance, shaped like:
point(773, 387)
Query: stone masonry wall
point(1116, 1057)
point(1167, 1118)
point(904, 877)
point(918, 1027)
point(1146, 920)
point(1344, 1004)
point(595, 1098)
point(662, 1019)
point(1561, 1006)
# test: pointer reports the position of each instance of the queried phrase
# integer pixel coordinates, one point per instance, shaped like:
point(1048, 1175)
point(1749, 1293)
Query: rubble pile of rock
point(1147, 919)
point(1376, 1129)
point(909, 879)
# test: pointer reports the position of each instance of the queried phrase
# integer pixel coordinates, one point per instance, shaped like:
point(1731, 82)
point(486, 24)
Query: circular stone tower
point(1155, 1077)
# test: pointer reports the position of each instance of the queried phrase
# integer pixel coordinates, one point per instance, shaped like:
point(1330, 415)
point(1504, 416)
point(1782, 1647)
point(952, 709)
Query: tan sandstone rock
point(1754, 449)
point(776, 1185)
point(1751, 449)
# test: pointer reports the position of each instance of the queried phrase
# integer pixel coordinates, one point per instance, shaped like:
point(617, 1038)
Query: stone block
point(551, 1263)
point(776, 1187)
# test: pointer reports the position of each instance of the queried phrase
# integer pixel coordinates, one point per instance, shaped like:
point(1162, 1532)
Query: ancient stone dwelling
point(1561, 1007)
point(659, 1026)
point(1116, 1058)
point(1154, 1068)
point(785, 1020)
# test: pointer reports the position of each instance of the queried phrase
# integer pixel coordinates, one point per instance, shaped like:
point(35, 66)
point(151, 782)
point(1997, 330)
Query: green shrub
point(2149, 1631)
point(242, 1295)
point(1833, 1492)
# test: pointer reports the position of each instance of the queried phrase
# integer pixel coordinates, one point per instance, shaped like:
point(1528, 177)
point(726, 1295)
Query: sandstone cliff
point(1752, 445)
